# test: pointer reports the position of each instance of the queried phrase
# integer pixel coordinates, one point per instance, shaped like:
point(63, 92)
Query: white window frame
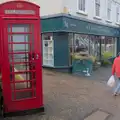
point(46, 61)
point(97, 3)
point(109, 9)
point(117, 14)
point(83, 8)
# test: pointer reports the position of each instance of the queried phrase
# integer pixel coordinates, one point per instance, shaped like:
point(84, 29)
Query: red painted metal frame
point(22, 104)
point(13, 5)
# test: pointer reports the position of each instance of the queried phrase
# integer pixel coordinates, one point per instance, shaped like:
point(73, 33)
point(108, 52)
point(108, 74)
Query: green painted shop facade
point(59, 33)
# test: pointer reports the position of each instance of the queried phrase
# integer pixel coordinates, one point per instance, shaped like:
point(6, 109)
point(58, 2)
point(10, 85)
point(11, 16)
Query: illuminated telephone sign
point(20, 12)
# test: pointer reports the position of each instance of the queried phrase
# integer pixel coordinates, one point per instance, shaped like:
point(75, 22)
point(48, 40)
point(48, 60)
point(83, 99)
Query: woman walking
point(116, 71)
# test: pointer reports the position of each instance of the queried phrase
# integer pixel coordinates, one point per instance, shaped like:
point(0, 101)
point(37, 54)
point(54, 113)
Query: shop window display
point(48, 49)
point(81, 43)
point(108, 44)
point(92, 45)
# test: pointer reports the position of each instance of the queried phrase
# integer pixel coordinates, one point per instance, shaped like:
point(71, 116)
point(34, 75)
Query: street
point(68, 97)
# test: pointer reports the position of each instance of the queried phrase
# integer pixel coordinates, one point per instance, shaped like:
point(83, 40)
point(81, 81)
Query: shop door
point(48, 54)
point(22, 85)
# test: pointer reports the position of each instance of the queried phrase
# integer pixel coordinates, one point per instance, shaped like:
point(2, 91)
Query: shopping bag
point(111, 81)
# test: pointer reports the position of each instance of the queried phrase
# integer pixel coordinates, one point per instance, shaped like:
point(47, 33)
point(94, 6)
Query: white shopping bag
point(111, 81)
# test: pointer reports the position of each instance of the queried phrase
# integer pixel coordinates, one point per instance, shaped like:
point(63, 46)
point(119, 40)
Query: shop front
point(64, 36)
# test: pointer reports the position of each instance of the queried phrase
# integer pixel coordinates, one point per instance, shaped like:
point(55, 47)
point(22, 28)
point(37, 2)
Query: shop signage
point(101, 29)
point(22, 12)
point(63, 23)
point(80, 26)
point(66, 24)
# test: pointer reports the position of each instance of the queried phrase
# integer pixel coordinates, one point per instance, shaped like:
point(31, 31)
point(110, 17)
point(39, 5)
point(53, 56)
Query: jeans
point(117, 89)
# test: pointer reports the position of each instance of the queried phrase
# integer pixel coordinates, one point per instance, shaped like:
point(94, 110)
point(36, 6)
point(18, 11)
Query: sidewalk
point(68, 97)
point(101, 74)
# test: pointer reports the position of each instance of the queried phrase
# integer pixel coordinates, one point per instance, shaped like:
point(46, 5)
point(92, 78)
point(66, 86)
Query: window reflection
point(108, 45)
point(19, 28)
point(81, 43)
point(19, 57)
point(92, 45)
point(18, 38)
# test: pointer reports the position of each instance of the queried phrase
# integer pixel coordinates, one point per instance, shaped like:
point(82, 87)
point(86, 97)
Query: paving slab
point(98, 115)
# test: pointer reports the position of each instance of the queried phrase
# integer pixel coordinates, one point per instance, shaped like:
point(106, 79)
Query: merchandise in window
point(47, 36)
point(108, 44)
point(81, 43)
point(92, 45)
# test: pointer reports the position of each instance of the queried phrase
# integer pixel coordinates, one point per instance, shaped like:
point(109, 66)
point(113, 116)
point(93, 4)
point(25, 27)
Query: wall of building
point(47, 7)
point(57, 6)
point(72, 5)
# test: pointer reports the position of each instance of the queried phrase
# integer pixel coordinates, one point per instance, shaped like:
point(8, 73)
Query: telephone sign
point(22, 12)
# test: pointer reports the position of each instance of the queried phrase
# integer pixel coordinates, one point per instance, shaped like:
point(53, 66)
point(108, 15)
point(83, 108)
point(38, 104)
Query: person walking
point(116, 71)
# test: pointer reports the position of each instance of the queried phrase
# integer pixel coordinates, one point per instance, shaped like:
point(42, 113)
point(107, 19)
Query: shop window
point(94, 46)
point(78, 45)
point(81, 43)
point(71, 41)
point(47, 36)
point(91, 45)
point(71, 46)
point(108, 44)
point(84, 43)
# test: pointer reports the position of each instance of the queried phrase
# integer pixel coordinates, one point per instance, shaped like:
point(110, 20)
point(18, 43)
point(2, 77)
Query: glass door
point(48, 50)
point(24, 65)
point(22, 61)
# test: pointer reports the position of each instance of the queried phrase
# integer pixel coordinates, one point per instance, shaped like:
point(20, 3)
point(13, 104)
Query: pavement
point(68, 97)
point(101, 74)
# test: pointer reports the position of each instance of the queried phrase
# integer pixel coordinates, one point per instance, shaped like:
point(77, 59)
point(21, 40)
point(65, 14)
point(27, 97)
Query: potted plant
point(82, 62)
point(105, 58)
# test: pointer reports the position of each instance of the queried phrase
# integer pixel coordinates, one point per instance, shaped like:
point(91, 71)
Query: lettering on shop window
point(23, 12)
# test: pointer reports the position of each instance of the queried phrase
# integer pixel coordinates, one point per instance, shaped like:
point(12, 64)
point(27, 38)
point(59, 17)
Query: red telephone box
point(20, 56)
